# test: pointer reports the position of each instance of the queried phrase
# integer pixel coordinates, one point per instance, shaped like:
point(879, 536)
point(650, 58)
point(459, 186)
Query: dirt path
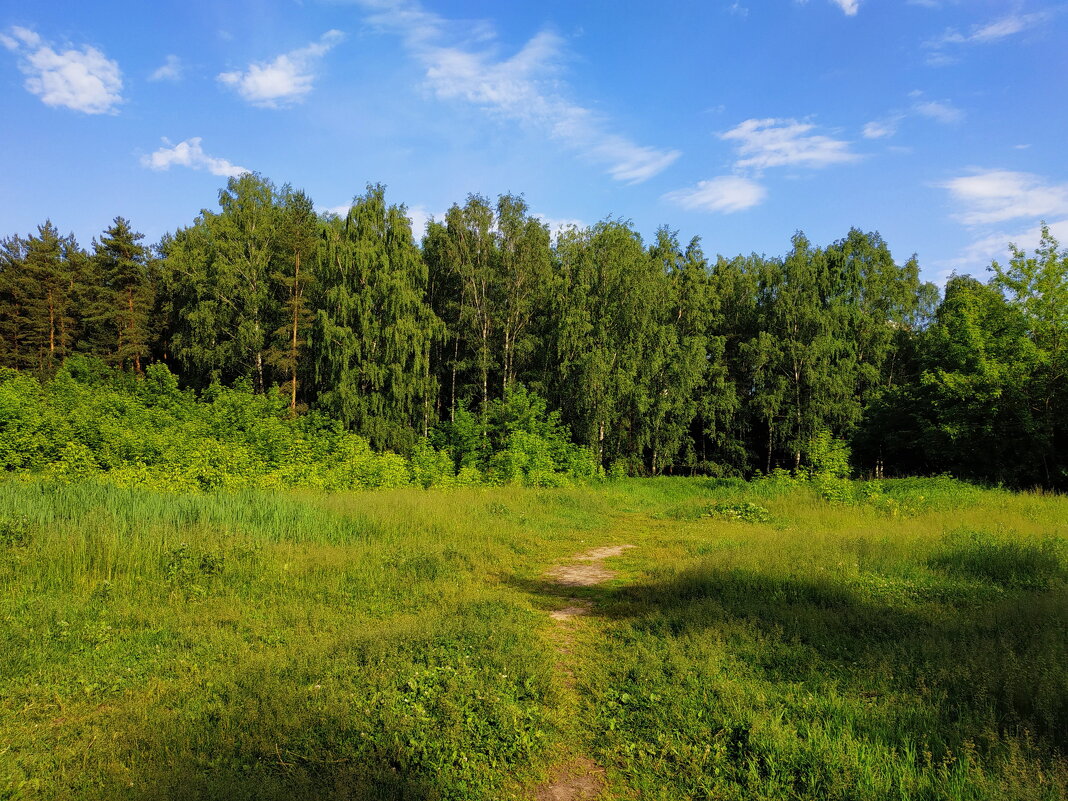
point(586, 569)
point(581, 779)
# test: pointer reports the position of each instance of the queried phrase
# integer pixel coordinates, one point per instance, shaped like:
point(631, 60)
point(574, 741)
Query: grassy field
point(759, 642)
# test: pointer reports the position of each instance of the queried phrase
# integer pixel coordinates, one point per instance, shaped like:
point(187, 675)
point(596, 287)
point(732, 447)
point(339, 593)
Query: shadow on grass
point(282, 783)
point(983, 658)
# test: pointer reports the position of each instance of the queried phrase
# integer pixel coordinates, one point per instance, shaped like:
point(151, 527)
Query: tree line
point(654, 356)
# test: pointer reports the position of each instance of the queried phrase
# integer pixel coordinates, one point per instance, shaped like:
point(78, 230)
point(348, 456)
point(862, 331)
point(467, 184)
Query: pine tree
point(298, 245)
point(50, 281)
point(126, 295)
point(13, 322)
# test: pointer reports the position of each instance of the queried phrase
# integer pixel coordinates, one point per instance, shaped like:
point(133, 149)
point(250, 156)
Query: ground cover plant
point(397, 643)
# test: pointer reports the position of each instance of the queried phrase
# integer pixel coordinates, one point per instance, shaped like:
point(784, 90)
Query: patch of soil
point(583, 575)
point(576, 609)
point(579, 780)
point(596, 554)
point(591, 572)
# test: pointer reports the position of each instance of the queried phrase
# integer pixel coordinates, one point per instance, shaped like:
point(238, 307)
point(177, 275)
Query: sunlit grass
point(910, 644)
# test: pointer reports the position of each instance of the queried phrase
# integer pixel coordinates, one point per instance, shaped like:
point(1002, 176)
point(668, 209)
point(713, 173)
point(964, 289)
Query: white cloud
point(340, 211)
point(725, 194)
point(779, 143)
point(981, 34)
point(190, 154)
point(558, 225)
point(848, 6)
point(761, 144)
point(977, 256)
point(420, 216)
point(940, 111)
point(286, 79)
point(945, 113)
point(467, 67)
point(993, 196)
point(1007, 26)
point(880, 129)
point(170, 70)
point(83, 80)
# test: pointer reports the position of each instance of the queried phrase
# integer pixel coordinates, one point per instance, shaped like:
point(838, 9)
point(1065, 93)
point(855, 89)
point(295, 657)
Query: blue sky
point(939, 123)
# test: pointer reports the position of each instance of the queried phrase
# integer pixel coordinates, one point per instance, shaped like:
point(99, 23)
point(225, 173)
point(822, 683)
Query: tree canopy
point(650, 356)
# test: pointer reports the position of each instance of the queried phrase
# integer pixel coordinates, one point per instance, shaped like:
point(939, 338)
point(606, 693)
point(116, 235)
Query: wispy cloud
point(848, 6)
point(783, 142)
point(420, 217)
point(170, 70)
point(939, 110)
point(340, 211)
point(760, 145)
point(881, 129)
point(945, 113)
point(724, 194)
point(83, 80)
point(286, 79)
point(190, 154)
point(524, 87)
point(978, 255)
point(942, 48)
point(993, 196)
point(559, 225)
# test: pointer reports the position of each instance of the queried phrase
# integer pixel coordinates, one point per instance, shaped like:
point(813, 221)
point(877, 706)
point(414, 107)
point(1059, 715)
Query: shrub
point(744, 511)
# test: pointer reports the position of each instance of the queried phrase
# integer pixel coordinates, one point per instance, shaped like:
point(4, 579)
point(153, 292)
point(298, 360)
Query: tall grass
point(908, 642)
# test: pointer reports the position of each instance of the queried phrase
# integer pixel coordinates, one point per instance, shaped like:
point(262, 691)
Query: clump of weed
point(745, 511)
point(102, 592)
point(875, 497)
point(190, 571)
point(15, 532)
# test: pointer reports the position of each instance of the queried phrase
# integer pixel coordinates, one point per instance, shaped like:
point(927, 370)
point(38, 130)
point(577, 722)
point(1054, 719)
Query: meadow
point(776, 639)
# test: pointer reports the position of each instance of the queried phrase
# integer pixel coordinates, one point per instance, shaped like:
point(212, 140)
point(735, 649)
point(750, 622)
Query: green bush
point(95, 423)
point(745, 511)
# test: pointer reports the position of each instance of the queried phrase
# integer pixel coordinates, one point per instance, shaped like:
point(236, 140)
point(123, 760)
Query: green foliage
point(827, 456)
point(373, 329)
point(16, 531)
point(95, 423)
point(119, 323)
point(517, 441)
point(189, 572)
point(658, 360)
point(746, 512)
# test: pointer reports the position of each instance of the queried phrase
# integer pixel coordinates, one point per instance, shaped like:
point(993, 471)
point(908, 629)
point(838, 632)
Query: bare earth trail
point(581, 779)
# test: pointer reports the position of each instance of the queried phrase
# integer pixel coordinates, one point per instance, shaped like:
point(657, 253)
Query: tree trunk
point(51, 327)
point(129, 330)
point(455, 358)
point(293, 341)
